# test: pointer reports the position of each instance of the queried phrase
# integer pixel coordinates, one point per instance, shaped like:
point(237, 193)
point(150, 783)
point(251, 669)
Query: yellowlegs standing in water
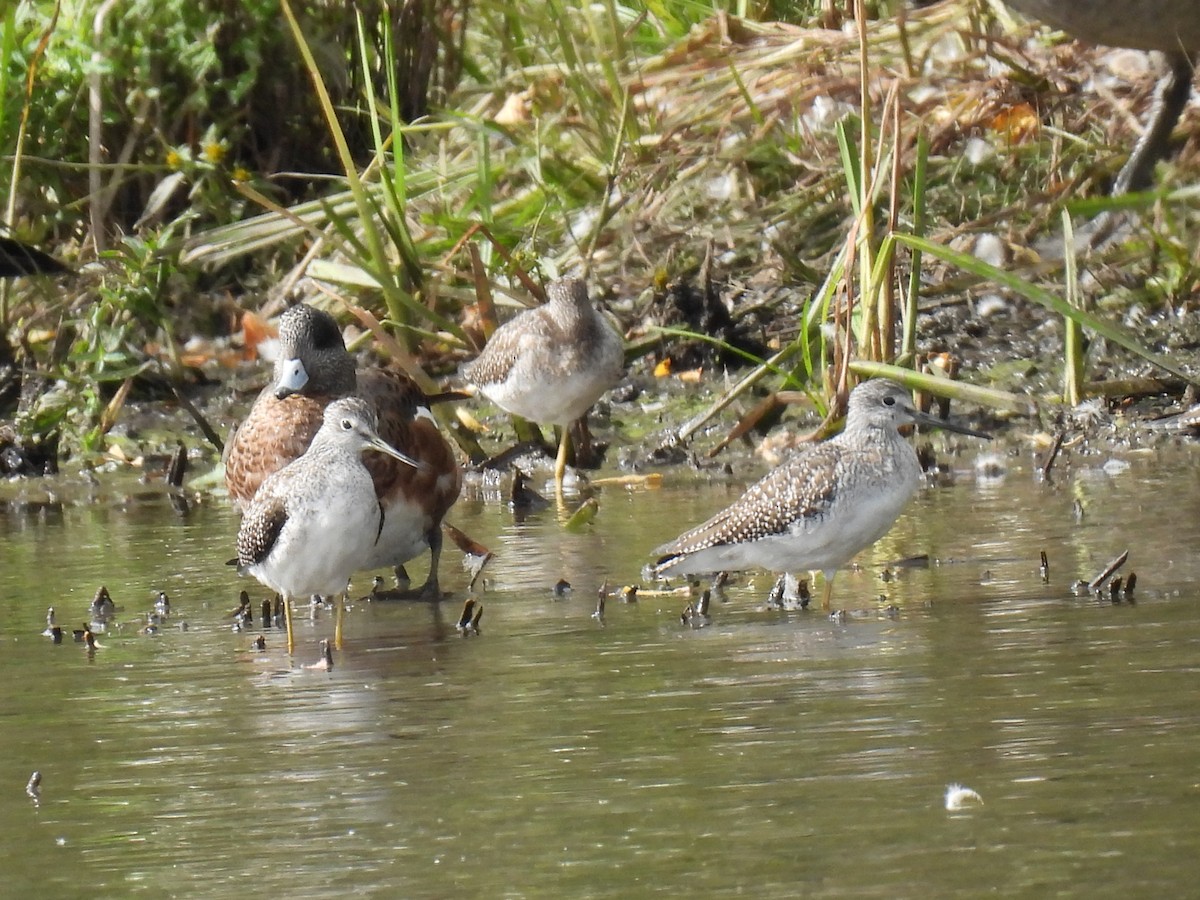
point(316, 521)
point(1169, 26)
point(314, 368)
point(550, 364)
point(823, 504)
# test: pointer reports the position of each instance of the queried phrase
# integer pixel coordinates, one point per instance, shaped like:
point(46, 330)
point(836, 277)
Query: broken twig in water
point(1054, 450)
point(1095, 583)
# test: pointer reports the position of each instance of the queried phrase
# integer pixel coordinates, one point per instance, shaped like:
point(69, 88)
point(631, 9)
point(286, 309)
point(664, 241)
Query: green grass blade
point(908, 343)
point(1045, 299)
point(944, 387)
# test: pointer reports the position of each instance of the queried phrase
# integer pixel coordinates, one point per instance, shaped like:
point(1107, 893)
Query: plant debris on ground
point(696, 170)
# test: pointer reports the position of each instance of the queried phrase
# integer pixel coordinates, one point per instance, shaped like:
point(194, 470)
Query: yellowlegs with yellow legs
point(823, 504)
point(312, 369)
point(1169, 26)
point(317, 520)
point(550, 364)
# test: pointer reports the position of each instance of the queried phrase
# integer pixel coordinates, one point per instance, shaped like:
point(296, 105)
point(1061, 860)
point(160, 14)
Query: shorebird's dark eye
point(347, 425)
point(889, 401)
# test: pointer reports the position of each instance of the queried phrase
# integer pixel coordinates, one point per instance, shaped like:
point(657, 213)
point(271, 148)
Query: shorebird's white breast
point(317, 551)
point(551, 397)
point(405, 535)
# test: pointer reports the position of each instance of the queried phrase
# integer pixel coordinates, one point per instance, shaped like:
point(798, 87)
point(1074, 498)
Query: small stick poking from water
point(464, 620)
point(1054, 450)
point(1114, 590)
point(598, 615)
point(1045, 568)
point(325, 663)
point(775, 597)
point(1095, 583)
point(197, 416)
point(1130, 583)
point(695, 615)
point(243, 616)
point(177, 468)
point(33, 788)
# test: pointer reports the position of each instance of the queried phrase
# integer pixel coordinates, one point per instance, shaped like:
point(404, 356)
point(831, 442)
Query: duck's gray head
point(313, 359)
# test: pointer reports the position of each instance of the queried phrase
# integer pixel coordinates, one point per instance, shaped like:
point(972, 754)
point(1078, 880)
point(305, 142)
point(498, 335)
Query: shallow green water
point(771, 754)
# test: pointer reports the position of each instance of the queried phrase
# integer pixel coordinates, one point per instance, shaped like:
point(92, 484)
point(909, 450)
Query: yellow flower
point(241, 173)
point(214, 152)
point(174, 159)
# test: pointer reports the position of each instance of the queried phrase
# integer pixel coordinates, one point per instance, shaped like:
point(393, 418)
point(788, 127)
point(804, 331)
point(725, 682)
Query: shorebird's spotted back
point(823, 504)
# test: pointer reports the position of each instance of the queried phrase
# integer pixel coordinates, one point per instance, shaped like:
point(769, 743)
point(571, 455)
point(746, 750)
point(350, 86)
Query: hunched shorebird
point(551, 363)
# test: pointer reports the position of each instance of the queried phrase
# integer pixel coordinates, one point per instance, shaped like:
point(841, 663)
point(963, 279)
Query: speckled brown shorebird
point(314, 368)
point(316, 521)
point(550, 364)
point(1171, 27)
point(823, 504)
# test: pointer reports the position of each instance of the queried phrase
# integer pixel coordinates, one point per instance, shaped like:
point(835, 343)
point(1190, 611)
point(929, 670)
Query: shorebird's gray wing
point(259, 531)
point(496, 359)
point(533, 331)
point(803, 487)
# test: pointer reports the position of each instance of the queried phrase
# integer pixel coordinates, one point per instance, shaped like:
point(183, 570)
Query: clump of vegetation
point(422, 155)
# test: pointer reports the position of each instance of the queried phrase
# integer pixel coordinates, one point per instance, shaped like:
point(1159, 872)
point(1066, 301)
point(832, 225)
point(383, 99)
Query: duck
point(313, 369)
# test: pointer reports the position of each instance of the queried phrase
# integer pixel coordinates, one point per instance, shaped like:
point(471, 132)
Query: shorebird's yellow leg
point(338, 616)
point(827, 591)
point(287, 619)
point(560, 463)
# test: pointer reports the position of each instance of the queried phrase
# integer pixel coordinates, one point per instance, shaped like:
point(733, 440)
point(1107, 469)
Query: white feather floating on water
point(960, 797)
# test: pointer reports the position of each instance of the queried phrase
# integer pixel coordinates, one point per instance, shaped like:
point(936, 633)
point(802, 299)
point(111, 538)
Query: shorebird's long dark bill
point(933, 421)
point(378, 443)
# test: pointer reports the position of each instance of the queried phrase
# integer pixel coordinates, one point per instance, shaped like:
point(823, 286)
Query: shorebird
point(102, 607)
point(316, 521)
point(823, 504)
point(1171, 27)
point(550, 364)
point(314, 368)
